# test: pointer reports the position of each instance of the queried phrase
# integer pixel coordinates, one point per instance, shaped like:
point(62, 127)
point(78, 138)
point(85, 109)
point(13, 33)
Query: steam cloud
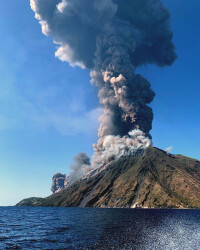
point(112, 38)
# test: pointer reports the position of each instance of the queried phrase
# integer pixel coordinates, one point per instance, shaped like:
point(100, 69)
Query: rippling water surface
point(89, 228)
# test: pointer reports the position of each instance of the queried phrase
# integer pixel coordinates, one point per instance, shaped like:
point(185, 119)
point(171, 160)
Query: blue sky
point(49, 110)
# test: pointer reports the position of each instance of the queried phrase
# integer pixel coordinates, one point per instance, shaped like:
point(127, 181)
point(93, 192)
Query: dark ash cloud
point(58, 182)
point(112, 38)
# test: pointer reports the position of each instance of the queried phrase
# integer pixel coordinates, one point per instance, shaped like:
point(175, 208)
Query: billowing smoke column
point(112, 38)
point(115, 146)
point(58, 182)
point(79, 168)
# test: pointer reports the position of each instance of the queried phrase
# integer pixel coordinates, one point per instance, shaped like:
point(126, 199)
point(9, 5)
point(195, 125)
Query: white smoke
point(65, 54)
point(169, 149)
point(113, 147)
point(61, 6)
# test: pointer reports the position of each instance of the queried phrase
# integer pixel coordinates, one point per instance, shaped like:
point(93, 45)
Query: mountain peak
point(154, 179)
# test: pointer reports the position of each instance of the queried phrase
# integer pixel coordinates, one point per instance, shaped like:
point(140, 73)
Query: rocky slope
point(33, 202)
point(153, 180)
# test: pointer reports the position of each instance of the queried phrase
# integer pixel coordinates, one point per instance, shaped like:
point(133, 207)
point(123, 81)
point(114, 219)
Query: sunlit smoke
point(113, 147)
point(169, 149)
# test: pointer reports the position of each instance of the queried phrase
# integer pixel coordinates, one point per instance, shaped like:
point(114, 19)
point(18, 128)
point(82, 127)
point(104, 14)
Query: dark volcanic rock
point(154, 180)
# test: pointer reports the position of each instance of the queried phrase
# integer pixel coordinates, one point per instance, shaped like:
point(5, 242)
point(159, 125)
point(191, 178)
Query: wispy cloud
point(45, 108)
point(30, 100)
point(68, 123)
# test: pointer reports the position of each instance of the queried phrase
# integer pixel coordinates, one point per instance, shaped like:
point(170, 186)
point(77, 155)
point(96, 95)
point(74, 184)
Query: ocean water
point(90, 228)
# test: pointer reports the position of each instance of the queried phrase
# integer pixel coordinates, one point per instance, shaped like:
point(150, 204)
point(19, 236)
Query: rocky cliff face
point(33, 202)
point(153, 180)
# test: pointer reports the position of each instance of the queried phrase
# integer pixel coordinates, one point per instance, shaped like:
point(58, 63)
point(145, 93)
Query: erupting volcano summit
point(112, 38)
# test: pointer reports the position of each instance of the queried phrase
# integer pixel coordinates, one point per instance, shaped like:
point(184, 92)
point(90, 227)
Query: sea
point(96, 228)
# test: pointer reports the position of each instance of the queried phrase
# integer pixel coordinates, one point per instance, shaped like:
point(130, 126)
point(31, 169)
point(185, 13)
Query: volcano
point(154, 179)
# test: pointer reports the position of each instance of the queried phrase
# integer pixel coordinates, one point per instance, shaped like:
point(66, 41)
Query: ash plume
point(112, 38)
point(79, 168)
point(58, 182)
